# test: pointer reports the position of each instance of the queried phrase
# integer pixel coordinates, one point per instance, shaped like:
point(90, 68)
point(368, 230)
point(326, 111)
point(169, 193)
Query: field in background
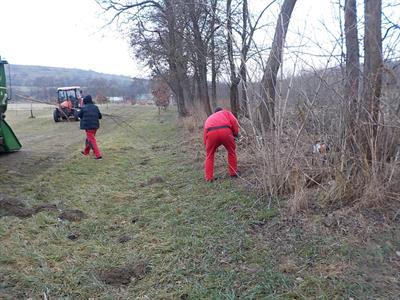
point(12, 107)
point(28, 106)
point(142, 224)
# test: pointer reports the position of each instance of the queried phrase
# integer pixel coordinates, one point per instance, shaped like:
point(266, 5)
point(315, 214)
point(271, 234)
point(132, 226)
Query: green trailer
point(8, 140)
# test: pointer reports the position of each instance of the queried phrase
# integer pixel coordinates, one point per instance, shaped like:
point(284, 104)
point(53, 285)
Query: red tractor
point(69, 103)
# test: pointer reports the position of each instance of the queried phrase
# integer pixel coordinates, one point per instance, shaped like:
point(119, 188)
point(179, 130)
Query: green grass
point(196, 238)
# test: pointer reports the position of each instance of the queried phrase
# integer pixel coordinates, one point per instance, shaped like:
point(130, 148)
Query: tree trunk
point(244, 106)
point(244, 102)
point(268, 92)
point(188, 90)
point(178, 89)
point(352, 73)
point(204, 86)
point(212, 54)
point(234, 90)
point(372, 83)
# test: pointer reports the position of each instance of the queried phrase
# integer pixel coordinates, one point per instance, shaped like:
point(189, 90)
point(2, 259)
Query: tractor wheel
point(76, 117)
point(56, 115)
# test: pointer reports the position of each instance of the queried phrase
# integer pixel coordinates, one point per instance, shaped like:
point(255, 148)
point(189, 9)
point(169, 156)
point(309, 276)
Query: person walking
point(89, 116)
point(221, 128)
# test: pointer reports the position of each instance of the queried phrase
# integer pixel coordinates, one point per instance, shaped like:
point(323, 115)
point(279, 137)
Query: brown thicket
point(161, 92)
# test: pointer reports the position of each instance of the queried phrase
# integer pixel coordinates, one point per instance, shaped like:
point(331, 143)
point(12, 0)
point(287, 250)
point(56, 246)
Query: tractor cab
point(69, 103)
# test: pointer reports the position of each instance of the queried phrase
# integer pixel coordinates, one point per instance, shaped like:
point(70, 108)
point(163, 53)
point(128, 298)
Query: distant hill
point(42, 82)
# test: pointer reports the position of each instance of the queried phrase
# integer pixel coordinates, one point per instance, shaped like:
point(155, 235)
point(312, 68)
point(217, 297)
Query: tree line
point(193, 44)
point(42, 82)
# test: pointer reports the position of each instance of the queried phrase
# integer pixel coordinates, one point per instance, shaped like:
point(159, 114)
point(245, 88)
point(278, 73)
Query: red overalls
point(91, 143)
point(220, 129)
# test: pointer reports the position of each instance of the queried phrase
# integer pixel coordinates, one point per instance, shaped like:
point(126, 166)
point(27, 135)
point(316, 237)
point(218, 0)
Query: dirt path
point(45, 144)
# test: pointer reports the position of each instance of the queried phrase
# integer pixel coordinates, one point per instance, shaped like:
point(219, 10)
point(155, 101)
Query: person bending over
point(221, 128)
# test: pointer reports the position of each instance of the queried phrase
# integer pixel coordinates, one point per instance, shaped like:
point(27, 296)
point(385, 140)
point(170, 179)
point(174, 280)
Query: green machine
point(8, 140)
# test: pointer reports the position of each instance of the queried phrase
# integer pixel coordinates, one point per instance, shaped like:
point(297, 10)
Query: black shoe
point(236, 175)
point(83, 153)
point(99, 157)
point(211, 180)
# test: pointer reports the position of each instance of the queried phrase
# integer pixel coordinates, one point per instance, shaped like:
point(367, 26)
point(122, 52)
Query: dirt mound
point(13, 207)
point(123, 275)
point(45, 207)
point(145, 161)
point(16, 208)
point(72, 215)
point(124, 238)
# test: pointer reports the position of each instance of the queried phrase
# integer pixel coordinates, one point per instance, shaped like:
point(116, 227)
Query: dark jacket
point(89, 115)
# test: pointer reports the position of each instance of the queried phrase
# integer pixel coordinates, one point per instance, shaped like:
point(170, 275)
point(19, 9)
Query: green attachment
point(8, 140)
point(3, 87)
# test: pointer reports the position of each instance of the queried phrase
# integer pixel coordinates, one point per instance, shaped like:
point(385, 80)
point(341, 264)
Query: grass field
point(142, 224)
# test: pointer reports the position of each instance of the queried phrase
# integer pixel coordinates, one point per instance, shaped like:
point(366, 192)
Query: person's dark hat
point(217, 109)
point(87, 99)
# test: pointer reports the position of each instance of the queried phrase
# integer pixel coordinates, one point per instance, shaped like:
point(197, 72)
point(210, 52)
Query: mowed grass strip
point(142, 204)
point(154, 230)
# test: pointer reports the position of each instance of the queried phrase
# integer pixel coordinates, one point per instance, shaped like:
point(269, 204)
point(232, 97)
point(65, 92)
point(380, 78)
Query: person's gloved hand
point(236, 137)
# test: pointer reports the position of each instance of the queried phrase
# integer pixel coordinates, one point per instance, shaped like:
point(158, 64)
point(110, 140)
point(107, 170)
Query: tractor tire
point(76, 117)
point(56, 115)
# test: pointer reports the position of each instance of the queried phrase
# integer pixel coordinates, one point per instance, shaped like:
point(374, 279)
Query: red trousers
point(216, 138)
point(91, 143)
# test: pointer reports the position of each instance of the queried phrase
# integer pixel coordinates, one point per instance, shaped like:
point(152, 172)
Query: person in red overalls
point(221, 128)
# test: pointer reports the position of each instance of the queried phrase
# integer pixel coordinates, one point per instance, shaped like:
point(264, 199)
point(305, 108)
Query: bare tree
point(268, 93)
point(154, 32)
point(173, 58)
point(195, 13)
point(247, 33)
point(234, 79)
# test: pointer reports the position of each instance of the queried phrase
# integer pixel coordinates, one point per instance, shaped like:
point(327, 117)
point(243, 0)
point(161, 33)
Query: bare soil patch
point(124, 275)
point(14, 207)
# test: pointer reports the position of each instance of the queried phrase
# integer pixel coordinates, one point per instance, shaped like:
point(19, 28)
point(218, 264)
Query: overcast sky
point(70, 34)
point(62, 33)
